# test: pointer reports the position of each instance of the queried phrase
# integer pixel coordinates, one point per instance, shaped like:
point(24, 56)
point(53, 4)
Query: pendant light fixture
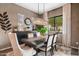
point(39, 20)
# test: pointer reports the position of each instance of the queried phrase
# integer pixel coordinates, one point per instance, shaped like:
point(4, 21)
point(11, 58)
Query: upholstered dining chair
point(17, 50)
point(55, 41)
point(46, 46)
point(53, 45)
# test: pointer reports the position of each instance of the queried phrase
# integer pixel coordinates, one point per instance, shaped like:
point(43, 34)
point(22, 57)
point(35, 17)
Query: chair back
point(15, 45)
point(55, 39)
point(49, 40)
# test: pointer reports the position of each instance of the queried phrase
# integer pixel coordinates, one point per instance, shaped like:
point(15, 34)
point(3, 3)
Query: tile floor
point(61, 51)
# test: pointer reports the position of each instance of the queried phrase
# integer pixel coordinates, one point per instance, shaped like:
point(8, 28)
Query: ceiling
point(42, 6)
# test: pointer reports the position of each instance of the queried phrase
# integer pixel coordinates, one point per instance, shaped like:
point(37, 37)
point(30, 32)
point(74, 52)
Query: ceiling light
point(40, 21)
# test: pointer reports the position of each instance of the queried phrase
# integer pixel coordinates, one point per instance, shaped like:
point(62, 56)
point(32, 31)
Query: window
point(56, 23)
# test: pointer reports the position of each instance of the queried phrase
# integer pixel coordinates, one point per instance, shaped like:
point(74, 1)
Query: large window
point(56, 23)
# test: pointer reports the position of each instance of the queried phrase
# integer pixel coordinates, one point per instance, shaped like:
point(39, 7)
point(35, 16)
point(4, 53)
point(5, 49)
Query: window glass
point(51, 23)
point(56, 23)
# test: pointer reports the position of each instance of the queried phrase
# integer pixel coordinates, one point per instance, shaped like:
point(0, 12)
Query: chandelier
point(39, 20)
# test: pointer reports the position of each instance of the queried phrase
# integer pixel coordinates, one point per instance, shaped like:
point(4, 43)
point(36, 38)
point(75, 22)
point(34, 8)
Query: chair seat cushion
point(28, 51)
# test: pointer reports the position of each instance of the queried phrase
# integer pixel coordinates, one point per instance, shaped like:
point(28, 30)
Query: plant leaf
point(3, 28)
point(3, 25)
point(4, 13)
point(7, 22)
point(1, 15)
point(1, 20)
point(8, 25)
point(8, 28)
point(6, 19)
point(5, 16)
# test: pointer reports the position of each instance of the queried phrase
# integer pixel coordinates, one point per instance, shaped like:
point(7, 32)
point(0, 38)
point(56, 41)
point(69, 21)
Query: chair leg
point(45, 53)
point(55, 48)
point(52, 53)
point(36, 54)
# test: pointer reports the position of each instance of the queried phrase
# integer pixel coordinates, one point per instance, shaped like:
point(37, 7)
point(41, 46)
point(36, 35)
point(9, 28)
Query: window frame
point(55, 21)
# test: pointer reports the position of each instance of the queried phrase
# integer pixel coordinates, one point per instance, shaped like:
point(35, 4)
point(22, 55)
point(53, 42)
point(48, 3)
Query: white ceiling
point(42, 6)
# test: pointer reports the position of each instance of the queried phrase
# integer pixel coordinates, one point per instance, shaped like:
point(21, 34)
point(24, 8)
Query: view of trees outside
point(51, 23)
point(56, 23)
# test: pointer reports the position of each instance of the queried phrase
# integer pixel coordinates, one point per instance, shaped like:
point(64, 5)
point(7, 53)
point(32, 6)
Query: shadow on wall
point(4, 40)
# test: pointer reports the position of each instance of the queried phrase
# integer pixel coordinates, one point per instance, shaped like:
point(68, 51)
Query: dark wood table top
point(32, 41)
point(34, 38)
point(38, 38)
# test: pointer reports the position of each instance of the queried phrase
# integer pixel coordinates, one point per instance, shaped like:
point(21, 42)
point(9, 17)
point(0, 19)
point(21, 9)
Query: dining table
point(37, 41)
point(34, 41)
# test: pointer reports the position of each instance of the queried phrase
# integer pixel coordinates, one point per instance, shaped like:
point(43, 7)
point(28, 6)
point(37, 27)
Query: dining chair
point(17, 50)
point(54, 41)
point(46, 46)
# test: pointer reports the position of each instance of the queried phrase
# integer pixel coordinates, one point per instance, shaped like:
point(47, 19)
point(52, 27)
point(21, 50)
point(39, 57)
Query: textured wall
point(75, 23)
point(13, 10)
point(71, 26)
point(67, 24)
point(75, 26)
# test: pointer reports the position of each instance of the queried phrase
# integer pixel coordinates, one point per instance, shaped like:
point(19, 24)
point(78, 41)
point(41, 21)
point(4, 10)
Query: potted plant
point(42, 30)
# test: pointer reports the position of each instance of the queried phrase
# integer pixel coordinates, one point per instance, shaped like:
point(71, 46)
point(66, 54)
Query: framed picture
point(27, 21)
